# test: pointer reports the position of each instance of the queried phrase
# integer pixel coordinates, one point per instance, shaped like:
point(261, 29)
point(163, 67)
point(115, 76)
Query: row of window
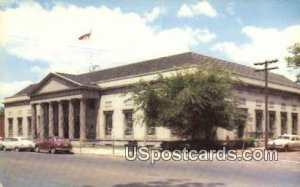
point(259, 103)
point(20, 126)
point(128, 123)
point(272, 119)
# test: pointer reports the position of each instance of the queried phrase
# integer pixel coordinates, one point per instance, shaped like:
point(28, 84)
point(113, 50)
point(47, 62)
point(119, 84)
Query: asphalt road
point(26, 169)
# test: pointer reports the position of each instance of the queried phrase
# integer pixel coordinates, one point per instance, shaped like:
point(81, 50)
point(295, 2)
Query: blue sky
point(38, 37)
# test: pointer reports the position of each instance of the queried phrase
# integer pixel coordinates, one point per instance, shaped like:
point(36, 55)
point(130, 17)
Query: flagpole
point(87, 36)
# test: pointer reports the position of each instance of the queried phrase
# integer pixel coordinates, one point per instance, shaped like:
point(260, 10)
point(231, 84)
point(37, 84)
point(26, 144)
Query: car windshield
point(59, 139)
point(283, 137)
point(24, 139)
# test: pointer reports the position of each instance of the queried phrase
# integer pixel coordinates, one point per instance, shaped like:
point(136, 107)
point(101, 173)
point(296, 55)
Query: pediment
point(53, 83)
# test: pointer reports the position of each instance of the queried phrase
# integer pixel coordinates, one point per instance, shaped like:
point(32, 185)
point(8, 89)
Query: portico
point(63, 118)
point(63, 112)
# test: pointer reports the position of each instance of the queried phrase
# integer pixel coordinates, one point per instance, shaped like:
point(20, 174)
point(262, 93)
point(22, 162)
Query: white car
point(285, 142)
point(18, 143)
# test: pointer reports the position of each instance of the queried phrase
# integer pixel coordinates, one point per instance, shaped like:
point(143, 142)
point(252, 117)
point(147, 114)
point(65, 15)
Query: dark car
point(53, 145)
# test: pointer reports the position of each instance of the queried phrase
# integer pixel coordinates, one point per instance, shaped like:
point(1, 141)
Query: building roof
point(26, 90)
point(166, 63)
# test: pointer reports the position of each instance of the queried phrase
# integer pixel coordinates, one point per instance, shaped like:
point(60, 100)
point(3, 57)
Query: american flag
point(85, 36)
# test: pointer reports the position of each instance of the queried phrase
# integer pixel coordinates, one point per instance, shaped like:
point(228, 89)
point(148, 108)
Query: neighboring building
point(1, 122)
point(94, 105)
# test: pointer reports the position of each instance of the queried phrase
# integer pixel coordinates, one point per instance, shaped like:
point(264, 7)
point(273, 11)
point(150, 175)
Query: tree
point(194, 103)
point(294, 60)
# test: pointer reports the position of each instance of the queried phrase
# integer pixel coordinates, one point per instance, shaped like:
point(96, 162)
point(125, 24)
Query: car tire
point(37, 149)
point(286, 148)
point(52, 150)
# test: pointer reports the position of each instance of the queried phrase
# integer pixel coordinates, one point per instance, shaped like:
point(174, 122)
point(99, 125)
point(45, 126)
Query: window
point(294, 123)
point(241, 124)
point(283, 117)
point(128, 122)
point(10, 126)
point(29, 125)
point(259, 103)
point(20, 126)
point(272, 127)
point(258, 123)
point(108, 122)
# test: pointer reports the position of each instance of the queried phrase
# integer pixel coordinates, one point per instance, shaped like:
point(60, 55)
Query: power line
point(266, 70)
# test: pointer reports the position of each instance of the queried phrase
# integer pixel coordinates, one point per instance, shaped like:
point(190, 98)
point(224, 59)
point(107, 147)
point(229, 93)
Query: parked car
point(18, 143)
point(1, 143)
point(285, 142)
point(53, 144)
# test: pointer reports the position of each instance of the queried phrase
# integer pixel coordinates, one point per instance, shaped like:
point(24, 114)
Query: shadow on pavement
point(173, 183)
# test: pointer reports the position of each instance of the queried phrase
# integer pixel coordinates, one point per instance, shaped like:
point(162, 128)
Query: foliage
point(294, 60)
point(193, 103)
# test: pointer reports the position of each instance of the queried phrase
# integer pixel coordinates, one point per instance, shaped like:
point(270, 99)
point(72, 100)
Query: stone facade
point(63, 105)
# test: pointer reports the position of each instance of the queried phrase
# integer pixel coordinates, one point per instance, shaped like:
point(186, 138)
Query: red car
point(53, 144)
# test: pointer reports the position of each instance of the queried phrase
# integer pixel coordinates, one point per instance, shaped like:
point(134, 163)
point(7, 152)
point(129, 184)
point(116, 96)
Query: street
point(28, 169)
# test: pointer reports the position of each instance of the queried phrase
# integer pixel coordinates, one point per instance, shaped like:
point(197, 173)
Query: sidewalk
point(120, 151)
point(104, 150)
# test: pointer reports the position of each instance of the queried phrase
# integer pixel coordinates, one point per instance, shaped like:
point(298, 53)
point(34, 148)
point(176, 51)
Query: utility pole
point(266, 63)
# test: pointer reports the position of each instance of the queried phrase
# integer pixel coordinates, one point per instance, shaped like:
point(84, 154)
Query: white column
point(33, 121)
point(97, 120)
point(60, 120)
point(82, 119)
point(71, 120)
point(51, 120)
point(42, 121)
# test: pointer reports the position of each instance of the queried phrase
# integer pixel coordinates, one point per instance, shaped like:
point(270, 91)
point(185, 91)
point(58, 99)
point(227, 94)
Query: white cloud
point(8, 89)
point(51, 36)
point(201, 8)
point(185, 11)
point(155, 13)
point(265, 44)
